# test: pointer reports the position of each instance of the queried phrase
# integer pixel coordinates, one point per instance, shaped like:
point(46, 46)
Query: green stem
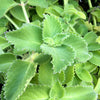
point(65, 2)
point(25, 13)
point(12, 21)
point(94, 19)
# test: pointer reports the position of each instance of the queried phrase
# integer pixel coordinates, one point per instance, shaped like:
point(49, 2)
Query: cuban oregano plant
point(48, 51)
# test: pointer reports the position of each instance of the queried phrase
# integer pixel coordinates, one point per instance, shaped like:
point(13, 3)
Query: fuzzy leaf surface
point(35, 92)
point(18, 78)
point(5, 5)
point(80, 46)
point(28, 37)
point(63, 56)
point(79, 93)
point(6, 61)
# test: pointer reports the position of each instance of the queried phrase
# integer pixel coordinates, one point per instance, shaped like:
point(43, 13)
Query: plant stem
point(12, 21)
point(25, 13)
point(94, 19)
point(65, 2)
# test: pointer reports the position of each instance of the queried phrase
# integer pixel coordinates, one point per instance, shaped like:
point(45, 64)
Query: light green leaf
point(41, 3)
point(5, 5)
point(98, 40)
point(57, 91)
point(17, 12)
point(18, 77)
point(35, 92)
point(51, 28)
point(3, 43)
point(6, 61)
point(2, 30)
point(82, 73)
point(62, 56)
point(97, 88)
point(79, 93)
point(27, 38)
point(1, 51)
point(80, 46)
point(96, 58)
point(46, 74)
point(69, 74)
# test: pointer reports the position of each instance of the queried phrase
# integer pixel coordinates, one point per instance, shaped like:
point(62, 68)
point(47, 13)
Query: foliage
point(49, 50)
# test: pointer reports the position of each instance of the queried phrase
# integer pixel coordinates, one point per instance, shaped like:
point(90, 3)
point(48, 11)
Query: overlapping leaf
point(28, 38)
point(79, 93)
point(5, 5)
point(62, 56)
point(6, 61)
point(80, 46)
point(18, 78)
point(35, 92)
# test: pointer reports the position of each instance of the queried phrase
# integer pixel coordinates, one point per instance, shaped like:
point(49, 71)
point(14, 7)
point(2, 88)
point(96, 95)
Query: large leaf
point(80, 46)
point(82, 73)
point(62, 56)
point(28, 37)
point(51, 28)
point(79, 93)
point(3, 43)
point(18, 78)
point(96, 58)
point(5, 5)
point(6, 61)
point(35, 92)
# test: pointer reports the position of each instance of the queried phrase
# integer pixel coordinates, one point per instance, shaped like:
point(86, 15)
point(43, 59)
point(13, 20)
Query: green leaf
point(18, 77)
point(1, 51)
point(96, 58)
point(62, 56)
point(41, 3)
point(6, 61)
point(98, 40)
point(80, 46)
point(35, 92)
point(45, 70)
point(3, 43)
point(17, 12)
point(79, 93)
point(27, 38)
point(51, 28)
point(2, 30)
point(82, 73)
point(57, 91)
point(69, 74)
point(97, 88)
point(5, 5)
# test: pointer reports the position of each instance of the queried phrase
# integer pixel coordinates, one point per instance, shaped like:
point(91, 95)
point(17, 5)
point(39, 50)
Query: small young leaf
point(18, 77)
point(28, 38)
point(62, 56)
point(35, 92)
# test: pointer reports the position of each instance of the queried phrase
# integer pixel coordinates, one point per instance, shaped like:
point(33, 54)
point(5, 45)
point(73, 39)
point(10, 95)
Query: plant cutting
point(48, 50)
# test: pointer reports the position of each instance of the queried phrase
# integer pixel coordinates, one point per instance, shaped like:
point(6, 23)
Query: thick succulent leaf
point(80, 46)
point(3, 43)
point(69, 74)
point(57, 91)
point(17, 12)
point(46, 74)
point(5, 5)
point(41, 3)
point(18, 78)
point(51, 28)
point(79, 93)
point(97, 88)
point(82, 73)
point(35, 92)
point(28, 37)
point(6, 61)
point(96, 58)
point(62, 56)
